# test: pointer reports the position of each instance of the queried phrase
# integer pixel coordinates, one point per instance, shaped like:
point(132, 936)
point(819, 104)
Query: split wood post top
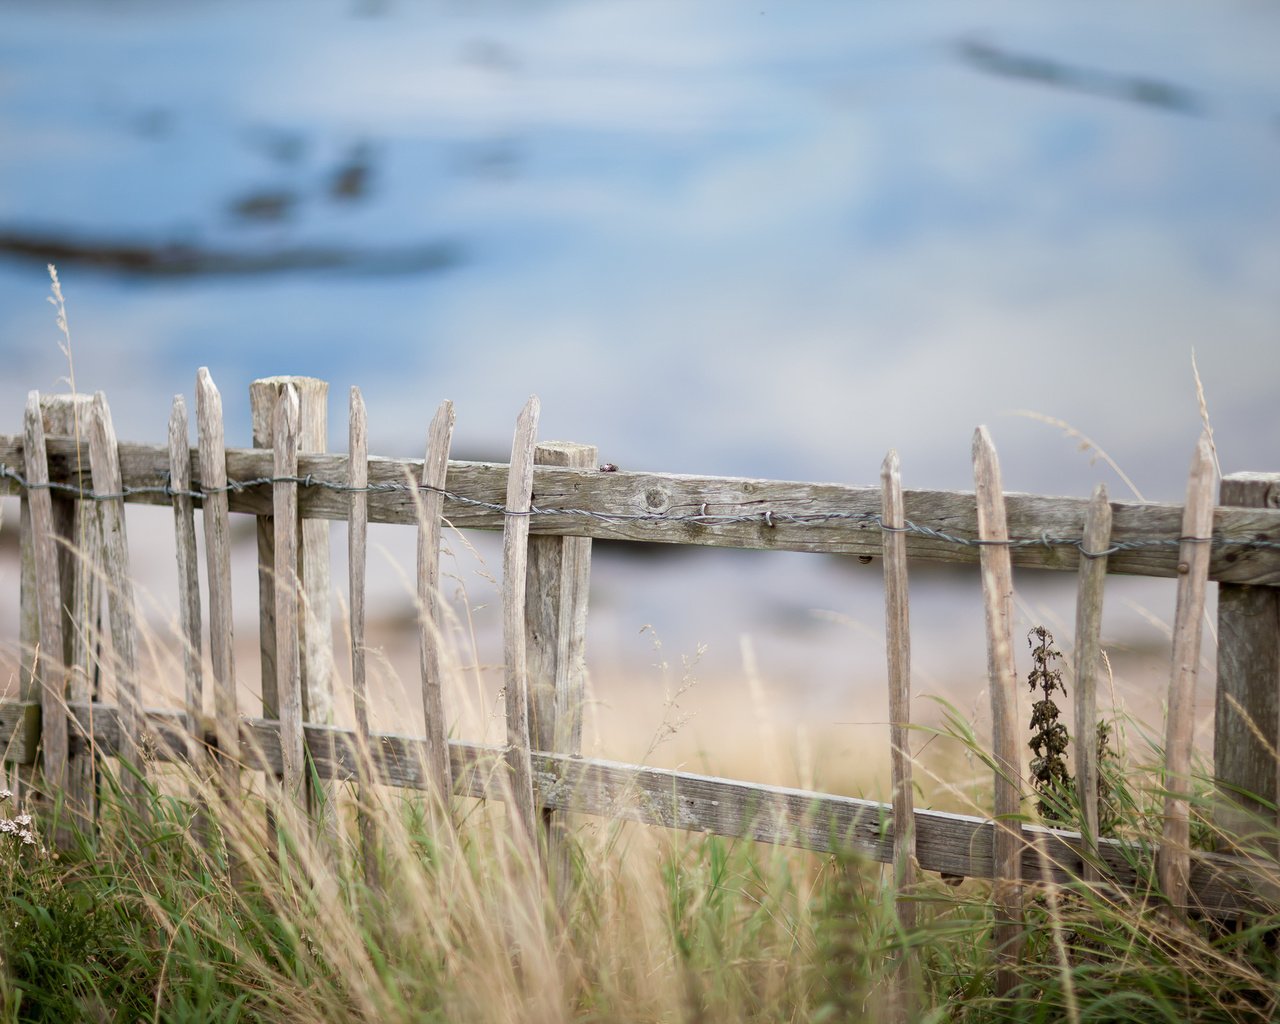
point(313, 569)
point(80, 575)
point(314, 625)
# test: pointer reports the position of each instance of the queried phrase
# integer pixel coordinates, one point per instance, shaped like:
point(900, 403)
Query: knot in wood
point(1183, 568)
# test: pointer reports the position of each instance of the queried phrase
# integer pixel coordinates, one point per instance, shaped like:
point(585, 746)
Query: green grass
point(143, 923)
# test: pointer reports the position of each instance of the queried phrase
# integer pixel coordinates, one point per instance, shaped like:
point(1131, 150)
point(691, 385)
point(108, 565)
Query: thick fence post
point(80, 574)
point(1173, 860)
point(49, 664)
point(557, 583)
point(315, 625)
point(1247, 708)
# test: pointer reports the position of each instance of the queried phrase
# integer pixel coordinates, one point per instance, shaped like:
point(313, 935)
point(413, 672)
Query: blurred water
point(726, 238)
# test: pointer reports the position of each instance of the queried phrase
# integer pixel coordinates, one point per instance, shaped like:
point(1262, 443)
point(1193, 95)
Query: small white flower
point(8, 826)
point(6, 794)
point(28, 839)
point(24, 820)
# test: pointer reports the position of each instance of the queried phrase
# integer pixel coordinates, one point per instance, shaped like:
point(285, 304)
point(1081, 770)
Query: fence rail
point(550, 501)
point(666, 508)
point(957, 845)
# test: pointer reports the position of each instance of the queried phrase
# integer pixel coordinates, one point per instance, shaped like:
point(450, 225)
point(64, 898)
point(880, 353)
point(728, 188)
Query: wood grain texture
point(515, 558)
point(189, 621)
point(1090, 588)
point(313, 569)
point(288, 655)
point(1174, 858)
point(557, 584)
point(1224, 886)
point(51, 670)
point(897, 624)
point(81, 576)
point(1247, 705)
point(357, 566)
point(1002, 682)
point(315, 625)
point(431, 628)
point(897, 619)
point(105, 466)
point(212, 471)
point(638, 493)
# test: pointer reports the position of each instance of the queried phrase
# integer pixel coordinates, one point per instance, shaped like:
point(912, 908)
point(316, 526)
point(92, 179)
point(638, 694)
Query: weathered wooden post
point(104, 455)
point(429, 504)
point(557, 583)
point(76, 524)
point(49, 666)
point(217, 545)
point(1002, 673)
point(1090, 588)
point(1173, 859)
point(314, 622)
point(515, 559)
point(897, 627)
point(1246, 730)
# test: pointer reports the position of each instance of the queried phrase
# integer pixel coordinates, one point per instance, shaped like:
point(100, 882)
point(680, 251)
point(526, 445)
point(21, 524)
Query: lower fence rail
point(1222, 886)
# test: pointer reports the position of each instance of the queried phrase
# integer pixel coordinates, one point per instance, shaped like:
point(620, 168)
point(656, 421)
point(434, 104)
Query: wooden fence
point(550, 501)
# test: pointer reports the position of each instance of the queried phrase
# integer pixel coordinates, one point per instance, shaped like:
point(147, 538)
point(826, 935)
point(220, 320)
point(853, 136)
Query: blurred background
point(724, 238)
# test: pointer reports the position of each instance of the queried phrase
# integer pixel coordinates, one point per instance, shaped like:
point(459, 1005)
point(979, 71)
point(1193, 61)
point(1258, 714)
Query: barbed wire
point(700, 517)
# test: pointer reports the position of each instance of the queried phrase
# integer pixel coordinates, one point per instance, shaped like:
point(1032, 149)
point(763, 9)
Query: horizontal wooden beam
point(954, 844)
point(674, 499)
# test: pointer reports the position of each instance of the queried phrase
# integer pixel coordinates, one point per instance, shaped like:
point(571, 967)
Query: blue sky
point(762, 239)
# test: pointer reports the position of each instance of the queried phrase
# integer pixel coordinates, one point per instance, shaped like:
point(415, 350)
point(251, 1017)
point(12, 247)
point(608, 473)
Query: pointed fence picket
point(897, 624)
point(431, 629)
point(515, 655)
point(184, 528)
point(217, 546)
point(550, 501)
point(1088, 664)
point(357, 566)
point(1173, 860)
point(1002, 686)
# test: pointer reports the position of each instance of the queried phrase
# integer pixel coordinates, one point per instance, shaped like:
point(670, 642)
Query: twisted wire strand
point(702, 517)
